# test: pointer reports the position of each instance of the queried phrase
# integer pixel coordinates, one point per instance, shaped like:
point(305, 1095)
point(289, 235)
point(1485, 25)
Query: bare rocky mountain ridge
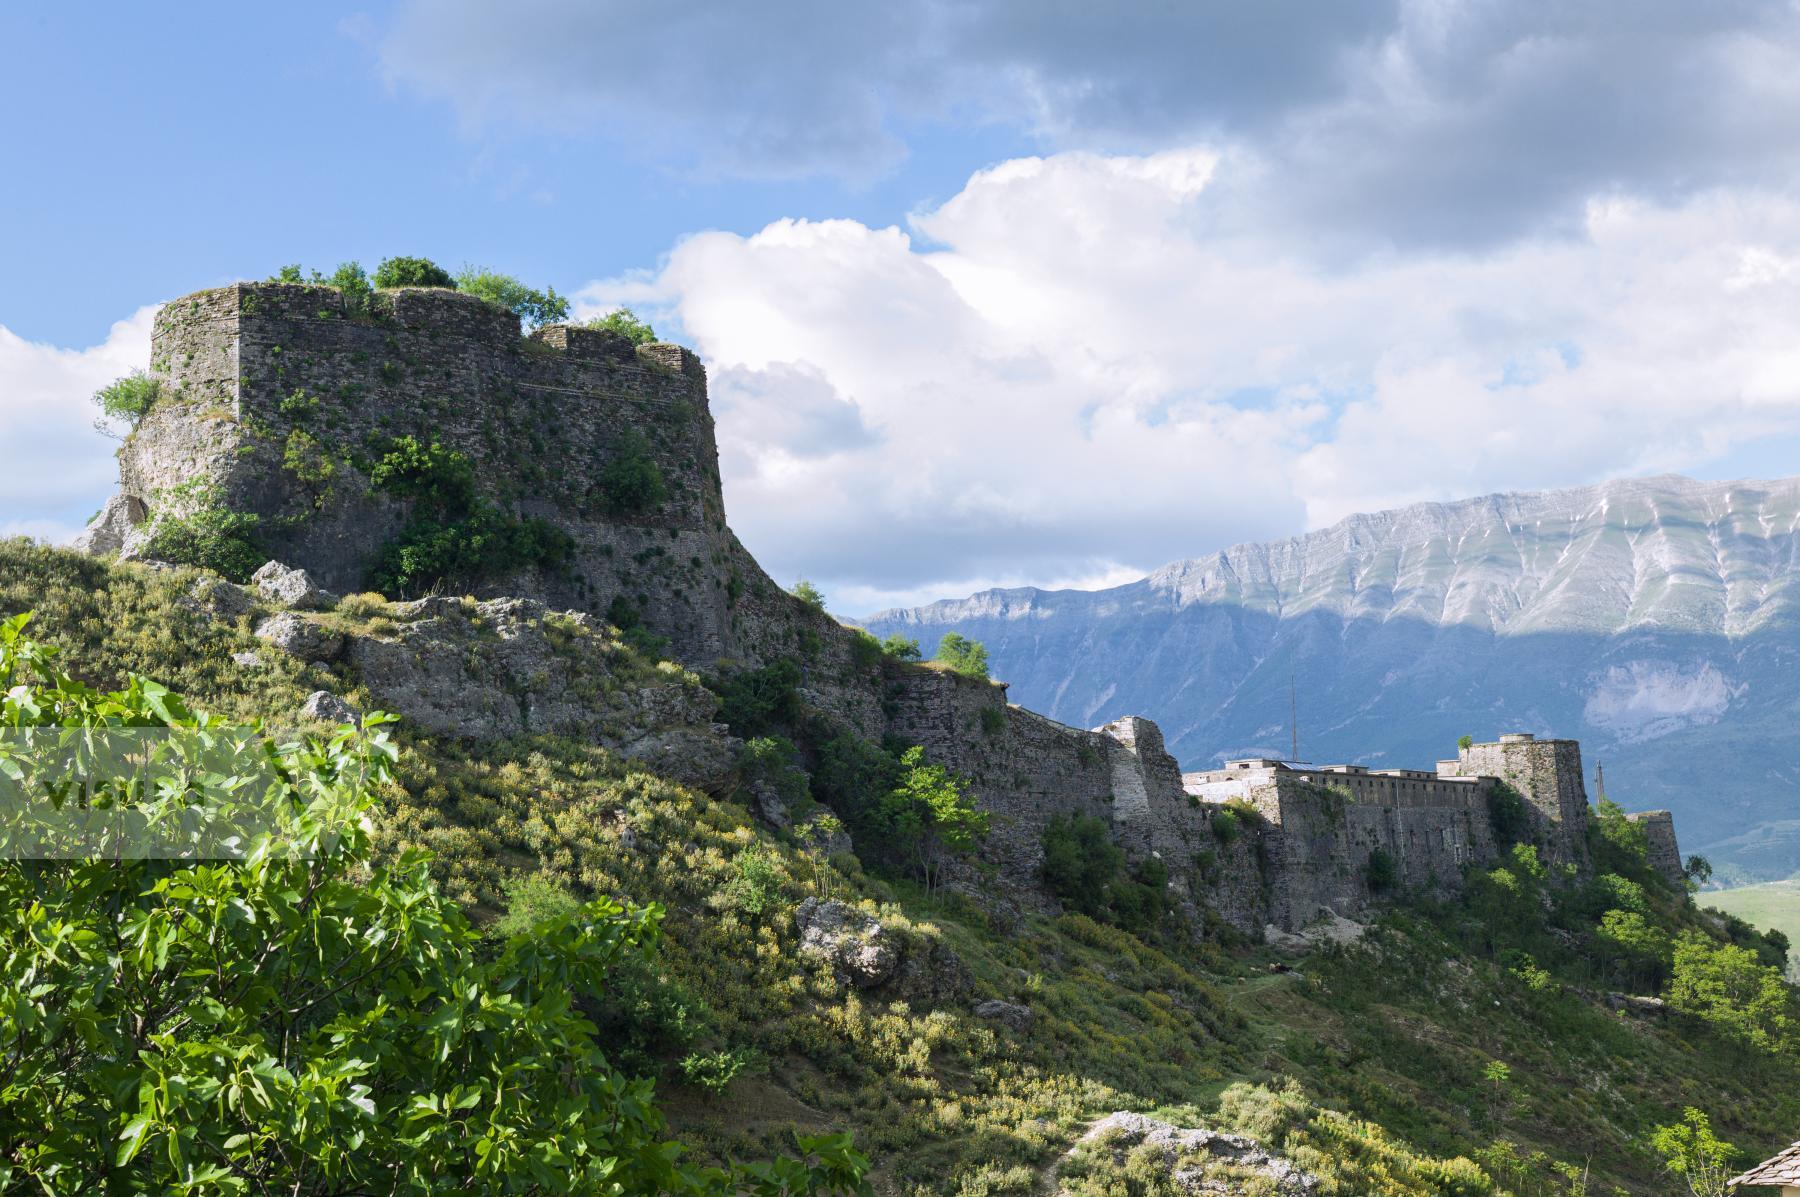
point(1656, 619)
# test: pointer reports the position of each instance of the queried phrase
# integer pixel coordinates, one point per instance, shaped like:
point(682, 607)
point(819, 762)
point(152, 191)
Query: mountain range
point(1655, 619)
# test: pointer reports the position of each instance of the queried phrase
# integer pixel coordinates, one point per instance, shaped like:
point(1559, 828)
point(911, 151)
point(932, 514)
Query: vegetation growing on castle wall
point(626, 323)
point(532, 306)
point(964, 656)
point(412, 272)
point(126, 401)
point(631, 482)
point(1087, 872)
point(453, 535)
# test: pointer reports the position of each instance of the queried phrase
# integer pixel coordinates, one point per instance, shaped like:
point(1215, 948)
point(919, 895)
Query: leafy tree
point(1081, 862)
point(1730, 988)
point(126, 401)
point(965, 656)
point(530, 305)
point(1698, 871)
point(299, 1018)
point(426, 473)
point(353, 284)
point(632, 482)
point(809, 594)
point(412, 272)
point(1465, 741)
point(1636, 948)
point(1620, 845)
point(210, 537)
point(1498, 1075)
point(624, 322)
point(929, 817)
point(1508, 815)
point(757, 702)
point(1382, 871)
point(1691, 1151)
point(901, 648)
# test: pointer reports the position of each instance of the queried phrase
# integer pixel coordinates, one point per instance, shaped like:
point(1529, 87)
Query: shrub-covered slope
point(1371, 1066)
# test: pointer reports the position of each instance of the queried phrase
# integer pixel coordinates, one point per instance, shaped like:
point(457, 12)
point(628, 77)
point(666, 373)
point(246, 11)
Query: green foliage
point(305, 458)
point(354, 285)
point(127, 400)
point(1465, 742)
point(210, 537)
point(773, 761)
point(1081, 862)
point(1226, 825)
point(1086, 870)
point(1509, 816)
point(965, 656)
point(412, 272)
point(453, 535)
point(809, 594)
point(757, 886)
point(865, 650)
point(631, 482)
point(1733, 991)
point(1698, 870)
point(714, 1071)
point(1692, 1152)
point(625, 615)
point(1636, 949)
point(530, 305)
point(1617, 844)
point(901, 648)
point(301, 1019)
point(624, 322)
point(427, 473)
point(1382, 871)
point(757, 702)
point(927, 817)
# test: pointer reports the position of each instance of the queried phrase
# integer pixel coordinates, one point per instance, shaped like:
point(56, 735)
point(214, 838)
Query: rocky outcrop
point(1199, 1160)
point(105, 535)
point(292, 588)
point(300, 637)
point(859, 949)
point(1018, 1017)
point(327, 707)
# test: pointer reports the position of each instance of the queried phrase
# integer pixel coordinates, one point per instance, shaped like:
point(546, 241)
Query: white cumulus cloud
point(55, 470)
point(1075, 368)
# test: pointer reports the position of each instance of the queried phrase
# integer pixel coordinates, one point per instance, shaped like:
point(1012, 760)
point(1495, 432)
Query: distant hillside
point(1656, 619)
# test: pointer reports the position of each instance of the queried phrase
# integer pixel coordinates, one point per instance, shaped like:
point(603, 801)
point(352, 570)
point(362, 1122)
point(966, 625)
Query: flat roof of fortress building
point(1448, 771)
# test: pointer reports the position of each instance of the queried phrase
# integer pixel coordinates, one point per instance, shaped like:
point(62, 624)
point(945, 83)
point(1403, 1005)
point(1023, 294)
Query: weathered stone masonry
point(251, 371)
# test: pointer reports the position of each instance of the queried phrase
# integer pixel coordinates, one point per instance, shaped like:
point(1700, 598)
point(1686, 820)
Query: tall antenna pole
point(1294, 714)
point(1600, 778)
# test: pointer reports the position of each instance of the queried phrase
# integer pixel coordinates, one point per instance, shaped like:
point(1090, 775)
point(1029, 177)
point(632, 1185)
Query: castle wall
point(1664, 852)
point(1547, 774)
point(252, 369)
point(1323, 826)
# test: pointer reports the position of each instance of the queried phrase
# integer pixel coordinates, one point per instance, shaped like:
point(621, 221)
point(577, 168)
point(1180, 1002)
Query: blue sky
point(991, 293)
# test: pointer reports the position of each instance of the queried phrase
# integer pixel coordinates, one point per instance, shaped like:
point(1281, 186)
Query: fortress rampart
point(263, 382)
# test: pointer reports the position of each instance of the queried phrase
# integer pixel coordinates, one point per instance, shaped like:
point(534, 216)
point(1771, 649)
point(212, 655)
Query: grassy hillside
point(1372, 1066)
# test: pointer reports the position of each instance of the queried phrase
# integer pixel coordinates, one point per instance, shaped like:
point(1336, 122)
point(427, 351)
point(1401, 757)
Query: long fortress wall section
point(263, 381)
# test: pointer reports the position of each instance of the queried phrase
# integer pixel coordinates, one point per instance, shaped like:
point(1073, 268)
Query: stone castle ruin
point(276, 399)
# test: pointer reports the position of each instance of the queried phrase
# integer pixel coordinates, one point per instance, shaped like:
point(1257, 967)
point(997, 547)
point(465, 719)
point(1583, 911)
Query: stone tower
point(1547, 774)
point(276, 399)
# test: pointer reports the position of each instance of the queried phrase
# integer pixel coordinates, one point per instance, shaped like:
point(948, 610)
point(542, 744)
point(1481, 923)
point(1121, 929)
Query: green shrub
point(412, 272)
point(757, 886)
point(1381, 871)
point(626, 616)
point(453, 536)
point(354, 285)
point(865, 650)
point(366, 1033)
point(226, 542)
point(993, 720)
point(624, 322)
point(775, 762)
point(631, 482)
point(1509, 817)
point(965, 656)
point(714, 1071)
point(1226, 826)
point(757, 702)
point(900, 648)
point(809, 594)
point(128, 399)
point(1080, 862)
point(530, 305)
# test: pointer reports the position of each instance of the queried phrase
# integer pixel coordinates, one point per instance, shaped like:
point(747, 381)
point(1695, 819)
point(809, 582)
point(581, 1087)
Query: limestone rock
point(291, 588)
point(216, 599)
point(859, 948)
point(327, 707)
point(1331, 928)
point(1187, 1152)
point(106, 535)
point(247, 660)
point(1017, 1017)
point(298, 637)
